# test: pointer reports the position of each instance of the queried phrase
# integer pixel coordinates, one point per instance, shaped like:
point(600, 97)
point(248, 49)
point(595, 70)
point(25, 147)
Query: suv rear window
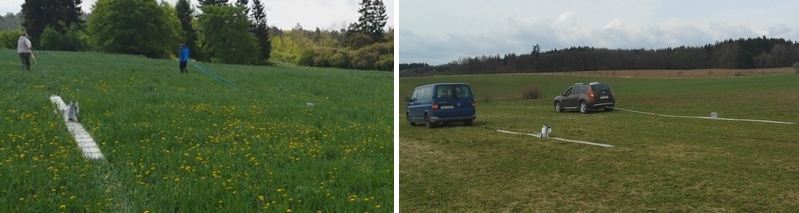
point(600, 87)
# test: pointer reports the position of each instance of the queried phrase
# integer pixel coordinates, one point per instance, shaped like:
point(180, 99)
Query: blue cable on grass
point(216, 77)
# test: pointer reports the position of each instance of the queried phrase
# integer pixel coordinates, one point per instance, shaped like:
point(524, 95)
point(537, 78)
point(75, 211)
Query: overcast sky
point(440, 31)
point(284, 14)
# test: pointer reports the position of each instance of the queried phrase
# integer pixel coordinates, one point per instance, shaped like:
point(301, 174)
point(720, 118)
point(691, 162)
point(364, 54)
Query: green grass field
point(189, 143)
point(659, 164)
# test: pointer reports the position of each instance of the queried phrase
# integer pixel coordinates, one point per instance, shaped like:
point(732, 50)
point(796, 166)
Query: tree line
point(743, 53)
point(216, 31)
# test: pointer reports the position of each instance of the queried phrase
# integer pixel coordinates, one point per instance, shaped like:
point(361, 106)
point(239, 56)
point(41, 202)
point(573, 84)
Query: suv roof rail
point(591, 83)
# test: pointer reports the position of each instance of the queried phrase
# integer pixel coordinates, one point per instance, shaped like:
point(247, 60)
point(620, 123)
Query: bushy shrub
point(532, 92)
point(9, 39)
point(50, 39)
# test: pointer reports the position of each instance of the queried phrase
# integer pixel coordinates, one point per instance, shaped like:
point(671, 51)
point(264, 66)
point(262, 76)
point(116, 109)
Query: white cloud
point(515, 26)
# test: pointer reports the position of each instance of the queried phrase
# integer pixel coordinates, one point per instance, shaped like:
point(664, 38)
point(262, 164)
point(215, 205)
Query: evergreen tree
point(371, 22)
point(185, 15)
point(261, 30)
point(73, 12)
point(378, 20)
point(244, 3)
point(366, 13)
point(58, 14)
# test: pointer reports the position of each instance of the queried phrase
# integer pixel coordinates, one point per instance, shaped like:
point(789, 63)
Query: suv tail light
point(435, 106)
point(591, 94)
point(473, 105)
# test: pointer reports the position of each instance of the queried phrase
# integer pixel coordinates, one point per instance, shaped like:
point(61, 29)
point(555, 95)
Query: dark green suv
point(586, 97)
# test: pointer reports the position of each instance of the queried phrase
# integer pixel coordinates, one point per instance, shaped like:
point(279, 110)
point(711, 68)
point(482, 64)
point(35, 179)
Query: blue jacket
point(184, 53)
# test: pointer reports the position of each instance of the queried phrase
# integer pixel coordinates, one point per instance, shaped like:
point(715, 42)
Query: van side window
point(415, 95)
point(426, 93)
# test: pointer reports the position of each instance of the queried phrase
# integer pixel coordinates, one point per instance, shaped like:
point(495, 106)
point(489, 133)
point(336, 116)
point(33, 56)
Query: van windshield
point(453, 91)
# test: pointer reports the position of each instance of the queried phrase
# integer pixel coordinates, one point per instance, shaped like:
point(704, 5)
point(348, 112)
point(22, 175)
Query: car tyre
point(558, 108)
point(583, 107)
point(427, 122)
point(468, 123)
point(408, 118)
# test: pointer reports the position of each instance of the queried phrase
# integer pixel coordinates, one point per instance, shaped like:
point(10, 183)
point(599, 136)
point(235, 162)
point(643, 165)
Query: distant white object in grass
point(309, 104)
point(714, 115)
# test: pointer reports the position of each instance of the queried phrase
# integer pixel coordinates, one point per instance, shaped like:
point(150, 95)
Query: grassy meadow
point(189, 143)
point(658, 164)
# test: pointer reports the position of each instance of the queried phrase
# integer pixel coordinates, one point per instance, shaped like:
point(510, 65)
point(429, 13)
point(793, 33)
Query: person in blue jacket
point(184, 58)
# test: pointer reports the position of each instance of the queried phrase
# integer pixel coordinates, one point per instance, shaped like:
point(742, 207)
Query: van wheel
point(558, 108)
point(468, 123)
point(583, 107)
point(408, 118)
point(427, 122)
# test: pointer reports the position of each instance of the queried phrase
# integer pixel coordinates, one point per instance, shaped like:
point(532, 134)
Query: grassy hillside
point(659, 164)
point(189, 143)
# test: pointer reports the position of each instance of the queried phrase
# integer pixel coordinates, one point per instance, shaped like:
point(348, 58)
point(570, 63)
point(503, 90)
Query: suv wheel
point(558, 108)
point(427, 122)
point(583, 107)
point(408, 118)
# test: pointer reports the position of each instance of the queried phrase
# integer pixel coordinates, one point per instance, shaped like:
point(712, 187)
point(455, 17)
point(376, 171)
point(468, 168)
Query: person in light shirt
point(25, 49)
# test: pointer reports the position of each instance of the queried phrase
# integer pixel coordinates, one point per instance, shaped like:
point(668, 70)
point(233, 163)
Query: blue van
point(441, 103)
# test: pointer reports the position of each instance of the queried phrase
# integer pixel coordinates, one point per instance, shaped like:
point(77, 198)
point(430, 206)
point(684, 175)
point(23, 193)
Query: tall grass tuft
point(532, 92)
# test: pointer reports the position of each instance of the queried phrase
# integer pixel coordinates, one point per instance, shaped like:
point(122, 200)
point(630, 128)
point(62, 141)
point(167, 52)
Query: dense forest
point(760, 52)
point(217, 31)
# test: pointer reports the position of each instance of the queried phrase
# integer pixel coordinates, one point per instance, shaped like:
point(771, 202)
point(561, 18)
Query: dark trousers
point(183, 67)
point(26, 60)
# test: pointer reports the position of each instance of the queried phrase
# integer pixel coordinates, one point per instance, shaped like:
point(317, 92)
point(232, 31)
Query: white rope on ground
point(82, 138)
point(538, 135)
point(701, 117)
point(584, 142)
